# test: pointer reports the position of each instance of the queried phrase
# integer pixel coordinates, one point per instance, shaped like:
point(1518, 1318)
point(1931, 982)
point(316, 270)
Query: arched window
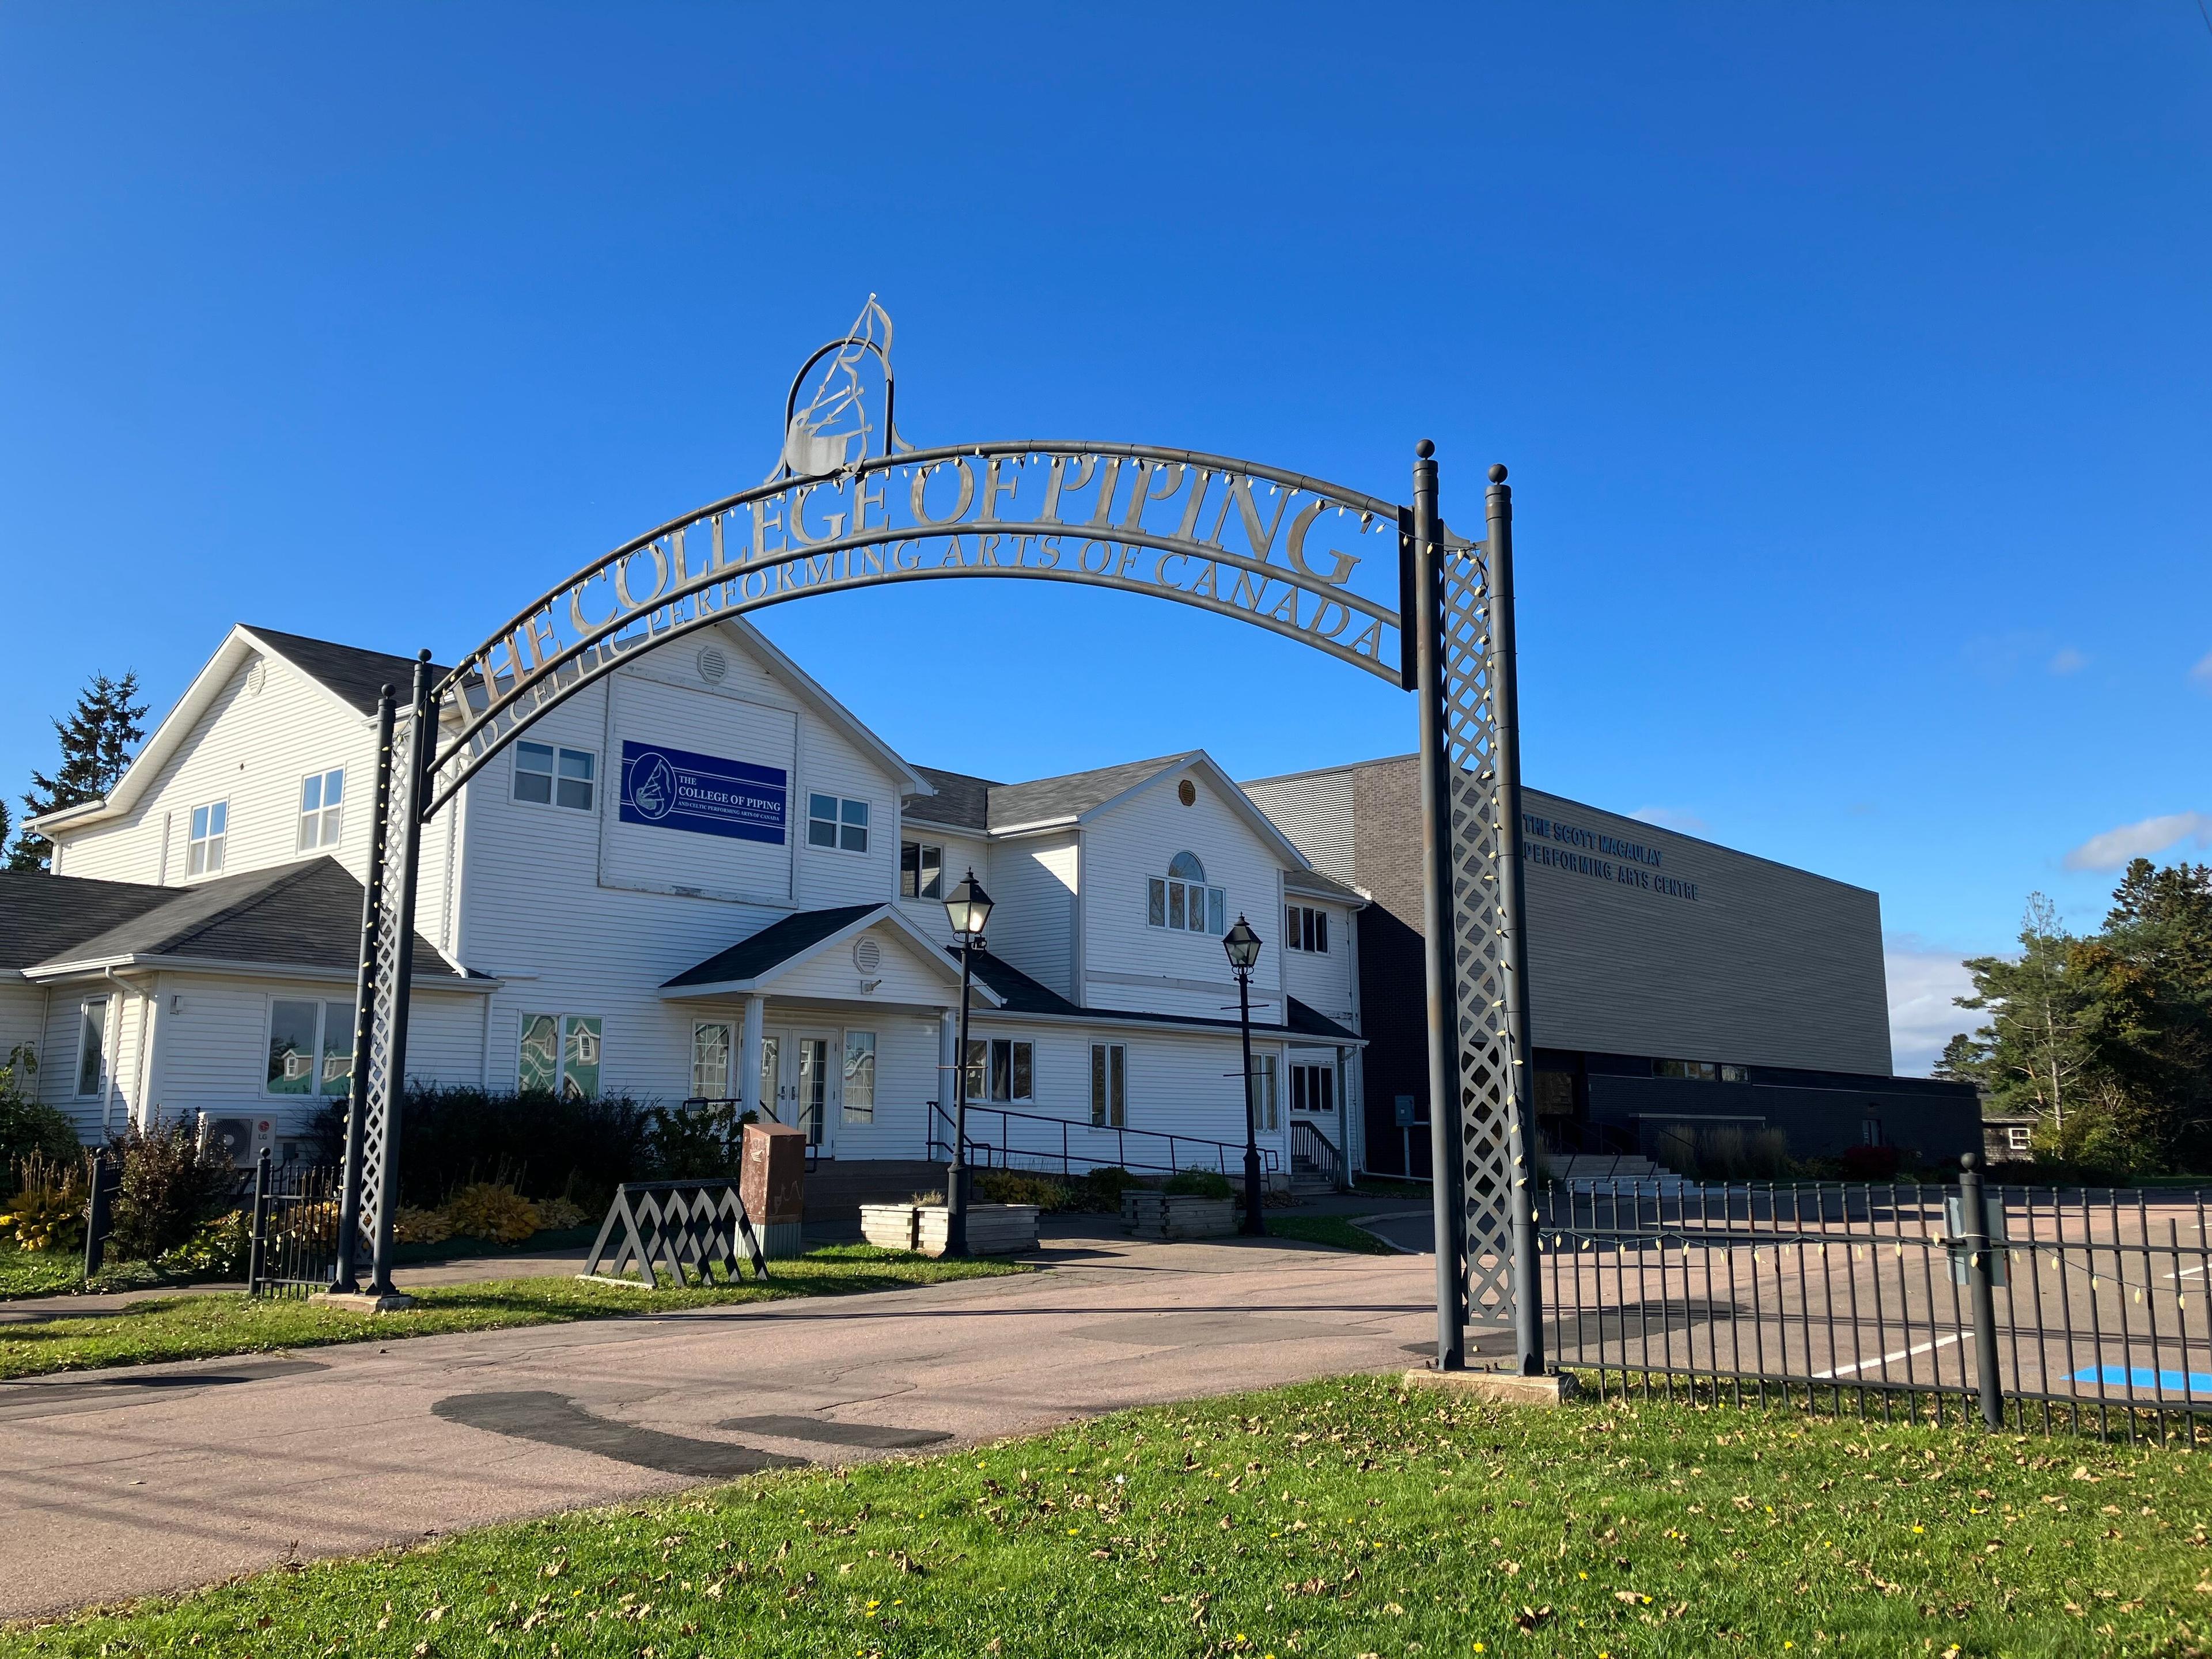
point(1182, 902)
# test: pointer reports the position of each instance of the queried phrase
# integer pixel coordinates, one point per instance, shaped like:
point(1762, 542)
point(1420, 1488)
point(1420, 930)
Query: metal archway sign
point(1382, 586)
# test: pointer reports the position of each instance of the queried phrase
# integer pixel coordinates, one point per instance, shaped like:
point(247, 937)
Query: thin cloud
point(1922, 1015)
point(2112, 849)
point(1669, 818)
point(2068, 661)
point(2201, 674)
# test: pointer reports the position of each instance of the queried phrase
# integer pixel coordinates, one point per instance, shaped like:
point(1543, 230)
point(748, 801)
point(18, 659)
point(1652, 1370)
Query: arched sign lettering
point(1378, 586)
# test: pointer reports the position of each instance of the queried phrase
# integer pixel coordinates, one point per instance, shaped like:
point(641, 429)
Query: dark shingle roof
point(1311, 1022)
point(294, 915)
point(1045, 799)
point(1015, 989)
point(354, 674)
point(961, 802)
point(778, 942)
point(1020, 995)
point(1313, 882)
point(41, 914)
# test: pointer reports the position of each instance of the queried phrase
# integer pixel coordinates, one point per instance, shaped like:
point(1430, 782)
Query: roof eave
point(47, 973)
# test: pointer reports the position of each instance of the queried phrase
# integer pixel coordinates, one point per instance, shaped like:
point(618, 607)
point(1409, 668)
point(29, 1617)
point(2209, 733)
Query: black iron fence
point(294, 1250)
point(2033, 1308)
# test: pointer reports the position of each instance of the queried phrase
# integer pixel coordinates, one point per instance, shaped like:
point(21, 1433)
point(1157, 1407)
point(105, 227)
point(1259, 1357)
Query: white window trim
point(867, 829)
point(552, 801)
point(919, 883)
point(985, 1099)
point(190, 840)
point(322, 1039)
point(322, 814)
point(562, 1022)
point(846, 1114)
point(76, 1078)
point(1102, 1112)
point(1166, 926)
point(1294, 936)
point(729, 1030)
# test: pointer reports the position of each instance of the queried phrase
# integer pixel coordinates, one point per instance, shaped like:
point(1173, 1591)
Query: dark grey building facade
point(1695, 1005)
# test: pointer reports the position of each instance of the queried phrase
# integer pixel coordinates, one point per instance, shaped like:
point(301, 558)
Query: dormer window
point(1181, 902)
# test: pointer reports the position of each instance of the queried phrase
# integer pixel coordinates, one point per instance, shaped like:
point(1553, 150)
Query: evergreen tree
point(2030, 1055)
point(96, 743)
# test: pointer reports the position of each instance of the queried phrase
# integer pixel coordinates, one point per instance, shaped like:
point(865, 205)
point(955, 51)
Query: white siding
point(1128, 965)
point(962, 854)
point(1322, 980)
point(252, 750)
point(1033, 928)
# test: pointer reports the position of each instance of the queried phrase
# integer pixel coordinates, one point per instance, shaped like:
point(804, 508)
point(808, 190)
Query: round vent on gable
point(867, 955)
point(1186, 792)
point(712, 664)
point(256, 677)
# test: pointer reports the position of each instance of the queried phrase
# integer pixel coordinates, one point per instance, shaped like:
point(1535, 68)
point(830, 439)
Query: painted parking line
point(1902, 1353)
point(2142, 1376)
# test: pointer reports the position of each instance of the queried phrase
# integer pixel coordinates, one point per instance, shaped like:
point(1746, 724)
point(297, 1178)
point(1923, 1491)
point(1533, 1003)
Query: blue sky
point(1850, 362)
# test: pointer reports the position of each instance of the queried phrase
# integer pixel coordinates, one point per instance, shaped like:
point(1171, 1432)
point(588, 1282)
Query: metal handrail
point(985, 1153)
point(1306, 1141)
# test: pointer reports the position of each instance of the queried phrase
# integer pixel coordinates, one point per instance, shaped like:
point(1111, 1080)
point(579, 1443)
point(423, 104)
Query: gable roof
point(41, 914)
point(306, 915)
point(349, 673)
point(790, 940)
point(966, 802)
point(1019, 993)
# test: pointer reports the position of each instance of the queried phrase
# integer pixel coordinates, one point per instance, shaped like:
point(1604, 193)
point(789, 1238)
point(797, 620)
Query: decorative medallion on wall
point(1186, 792)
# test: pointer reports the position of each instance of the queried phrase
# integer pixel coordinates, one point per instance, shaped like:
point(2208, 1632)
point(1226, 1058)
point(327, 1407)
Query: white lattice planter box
point(993, 1229)
point(1178, 1215)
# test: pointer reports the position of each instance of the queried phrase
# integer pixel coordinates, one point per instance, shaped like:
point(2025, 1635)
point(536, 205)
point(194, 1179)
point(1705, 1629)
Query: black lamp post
point(1243, 947)
point(967, 907)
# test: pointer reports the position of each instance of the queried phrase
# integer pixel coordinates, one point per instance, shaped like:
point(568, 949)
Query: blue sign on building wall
point(675, 789)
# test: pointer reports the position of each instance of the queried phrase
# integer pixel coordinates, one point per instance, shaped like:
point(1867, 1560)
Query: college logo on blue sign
point(676, 789)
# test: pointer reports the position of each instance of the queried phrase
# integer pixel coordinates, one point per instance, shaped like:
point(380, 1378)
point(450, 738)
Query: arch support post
point(413, 740)
point(345, 1280)
point(1425, 590)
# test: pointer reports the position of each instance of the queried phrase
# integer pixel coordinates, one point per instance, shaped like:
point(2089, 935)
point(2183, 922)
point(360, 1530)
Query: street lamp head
point(967, 907)
point(1242, 945)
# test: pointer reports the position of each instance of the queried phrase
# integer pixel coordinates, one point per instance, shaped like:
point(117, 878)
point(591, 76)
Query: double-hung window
point(560, 1053)
point(1110, 1085)
point(1181, 902)
point(860, 1091)
point(549, 774)
point(710, 1060)
point(210, 828)
point(310, 1048)
point(1313, 1088)
point(1266, 1103)
point(921, 870)
point(1002, 1069)
point(322, 802)
point(1305, 928)
point(834, 821)
point(92, 1046)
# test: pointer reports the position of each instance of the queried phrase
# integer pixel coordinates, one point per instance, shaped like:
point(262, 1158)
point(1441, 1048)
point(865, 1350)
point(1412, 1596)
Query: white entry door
point(808, 1092)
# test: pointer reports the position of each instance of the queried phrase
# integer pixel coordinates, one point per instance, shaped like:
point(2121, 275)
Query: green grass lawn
point(1342, 1518)
point(37, 1272)
point(1331, 1229)
point(164, 1327)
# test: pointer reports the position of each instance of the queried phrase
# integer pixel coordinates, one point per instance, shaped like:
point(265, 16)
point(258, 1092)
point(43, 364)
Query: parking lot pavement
point(125, 1483)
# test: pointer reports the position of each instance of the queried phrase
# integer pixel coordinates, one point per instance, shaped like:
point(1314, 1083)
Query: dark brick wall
point(1386, 808)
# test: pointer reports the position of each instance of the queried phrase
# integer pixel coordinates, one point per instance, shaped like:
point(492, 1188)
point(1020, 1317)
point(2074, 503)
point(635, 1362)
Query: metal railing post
point(1973, 1211)
point(257, 1260)
point(96, 1222)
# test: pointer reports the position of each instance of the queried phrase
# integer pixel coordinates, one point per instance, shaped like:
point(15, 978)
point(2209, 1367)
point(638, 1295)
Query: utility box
point(772, 1186)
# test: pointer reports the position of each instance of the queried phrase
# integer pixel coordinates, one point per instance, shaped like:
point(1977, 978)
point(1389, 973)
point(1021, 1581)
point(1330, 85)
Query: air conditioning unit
point(244, 1138)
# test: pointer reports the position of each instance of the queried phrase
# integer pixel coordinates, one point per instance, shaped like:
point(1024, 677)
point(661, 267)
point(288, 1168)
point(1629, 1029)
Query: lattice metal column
point(1480, 1103)
point(356, 1241)
point(412, 741)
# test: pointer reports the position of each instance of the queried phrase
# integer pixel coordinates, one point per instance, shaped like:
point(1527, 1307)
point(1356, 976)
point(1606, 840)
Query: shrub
point(28, 1129)
point(220, 1248)
point(1019, 1187)
point(1204, 1183)
point(413, 1225)
point(485, 1209)
point(558, 1214)
point(1870, 1162)
point(1099, 1192)
point(47, 1213)
point(691, 1143)
point(449, 1138)
point(169, 1184)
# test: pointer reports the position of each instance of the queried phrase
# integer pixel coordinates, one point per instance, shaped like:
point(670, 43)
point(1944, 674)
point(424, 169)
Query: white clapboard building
point(701, 877)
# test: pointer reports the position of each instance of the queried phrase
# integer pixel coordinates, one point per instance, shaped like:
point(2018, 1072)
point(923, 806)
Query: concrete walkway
point(124, 1483)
